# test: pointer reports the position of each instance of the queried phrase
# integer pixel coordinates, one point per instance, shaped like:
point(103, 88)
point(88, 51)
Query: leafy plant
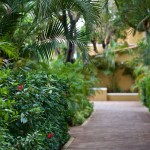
point(41, 109)
point(144, 87)
point(38, 106)
point(80, 81)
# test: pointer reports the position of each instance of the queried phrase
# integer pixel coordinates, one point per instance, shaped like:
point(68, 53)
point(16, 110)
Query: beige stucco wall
point(134, 39)
point(130, 39)
point(99, 48)
point(123, 57)
point(123, 82)
point(100, 94)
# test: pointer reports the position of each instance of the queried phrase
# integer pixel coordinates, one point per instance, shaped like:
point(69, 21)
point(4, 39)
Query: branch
point(71, 15)
point(64, 22)
point(117, 4)
point(78, 17)
point(142, 21)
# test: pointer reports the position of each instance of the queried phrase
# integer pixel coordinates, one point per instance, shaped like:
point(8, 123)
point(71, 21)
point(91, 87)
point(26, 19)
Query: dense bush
point(36, 107)
point(144, 86)
point(80, 81)
point(40, 110)
point(142, 83)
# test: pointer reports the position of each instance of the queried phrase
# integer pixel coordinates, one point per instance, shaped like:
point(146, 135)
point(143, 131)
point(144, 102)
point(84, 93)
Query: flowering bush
point(38, 101)
point(50, 135)
point(20, 87)
point(38, 105)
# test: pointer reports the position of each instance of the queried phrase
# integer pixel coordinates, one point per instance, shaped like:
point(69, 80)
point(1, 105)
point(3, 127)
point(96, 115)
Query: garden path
point(114, 126)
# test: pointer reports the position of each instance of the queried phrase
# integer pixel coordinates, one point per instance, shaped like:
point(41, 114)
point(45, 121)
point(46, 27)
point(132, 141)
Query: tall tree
point(111, 27)
point(135, 13)
point(68, 14)
point(37, 27)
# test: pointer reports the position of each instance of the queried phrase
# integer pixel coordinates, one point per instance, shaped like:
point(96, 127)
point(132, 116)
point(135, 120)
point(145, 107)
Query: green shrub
point(80, 80)
point(80, 116)
point(7, 114)
point(41, 107)
point(38, 104)
point(144, 86)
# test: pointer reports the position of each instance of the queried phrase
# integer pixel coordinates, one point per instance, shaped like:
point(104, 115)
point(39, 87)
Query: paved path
point(114, 126)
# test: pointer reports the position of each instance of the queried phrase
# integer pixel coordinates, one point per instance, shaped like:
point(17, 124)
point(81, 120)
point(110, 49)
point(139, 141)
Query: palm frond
point(8, 49)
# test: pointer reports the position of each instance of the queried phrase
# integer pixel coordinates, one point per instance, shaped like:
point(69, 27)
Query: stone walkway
point(114, 126)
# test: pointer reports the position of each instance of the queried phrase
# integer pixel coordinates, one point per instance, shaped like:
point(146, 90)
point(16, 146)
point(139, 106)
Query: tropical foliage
point(44, 88)
point(33, 110)
point(79, 86)
point(38, 28)
point(135, 13)
point(143, 81)
point(37, 107)
point(37, 101)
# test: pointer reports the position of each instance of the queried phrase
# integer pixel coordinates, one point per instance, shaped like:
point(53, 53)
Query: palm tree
point(38, 27)
point(12, 14)
point(111, 27)
point(64, 15)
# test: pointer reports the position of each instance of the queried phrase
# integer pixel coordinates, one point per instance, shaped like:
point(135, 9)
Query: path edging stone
point(68, 143)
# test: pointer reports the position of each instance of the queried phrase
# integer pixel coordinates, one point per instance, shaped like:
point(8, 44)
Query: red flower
point(50, 135)
point(20, 87)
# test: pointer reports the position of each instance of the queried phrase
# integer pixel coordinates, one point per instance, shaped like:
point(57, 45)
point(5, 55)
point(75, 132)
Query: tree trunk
point(72, 35)
point(103, 44)
point(107, 41)
point(94, 45)
point(69, 57)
